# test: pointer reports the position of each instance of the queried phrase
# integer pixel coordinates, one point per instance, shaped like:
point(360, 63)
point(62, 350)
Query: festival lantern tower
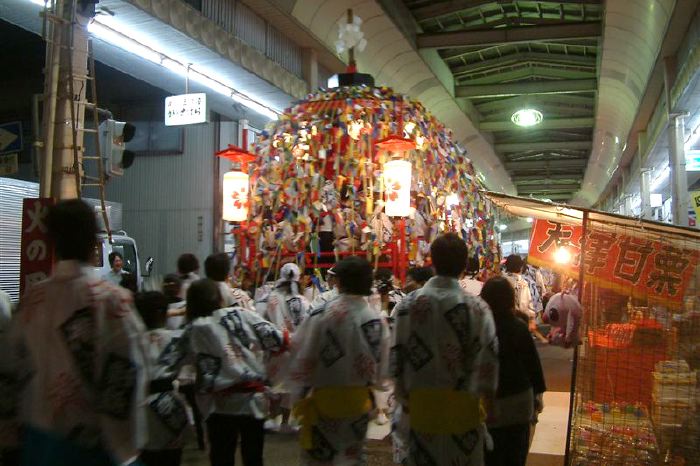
point(361, 169)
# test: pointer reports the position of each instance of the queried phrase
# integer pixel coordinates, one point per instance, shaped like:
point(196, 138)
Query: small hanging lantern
point(397, 183)
point(236, 186)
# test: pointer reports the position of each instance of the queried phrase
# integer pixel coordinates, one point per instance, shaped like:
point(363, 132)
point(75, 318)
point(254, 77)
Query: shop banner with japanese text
point(649, 269)
point(36, 258)
point(548, 237)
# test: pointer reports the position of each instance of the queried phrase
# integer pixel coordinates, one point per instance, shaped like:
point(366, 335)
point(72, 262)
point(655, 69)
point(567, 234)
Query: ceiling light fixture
point(527, 117)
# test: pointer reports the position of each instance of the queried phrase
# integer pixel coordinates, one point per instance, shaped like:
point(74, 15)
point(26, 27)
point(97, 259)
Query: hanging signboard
point(649, 269)
point(186, 109)
point(36, 257)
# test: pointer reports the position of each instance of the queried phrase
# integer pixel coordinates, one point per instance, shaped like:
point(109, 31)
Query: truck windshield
point(128, 252)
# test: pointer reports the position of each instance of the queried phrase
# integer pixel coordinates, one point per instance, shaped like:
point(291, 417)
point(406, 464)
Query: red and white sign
point(656, 270)
point(36, 259)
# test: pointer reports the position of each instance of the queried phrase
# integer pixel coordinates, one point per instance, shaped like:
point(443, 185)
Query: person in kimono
point(226, 344)
point(9, 396)
point(286, 308)
point(520, 382)
point(332, 291)
point(166, 414)
point(188, 270)
point(339, 353)
point(444, 359)
point(217, 267)
point(81, 343)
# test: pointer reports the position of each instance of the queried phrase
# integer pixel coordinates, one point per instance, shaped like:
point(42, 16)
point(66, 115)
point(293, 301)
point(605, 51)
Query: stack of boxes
point(673, 401)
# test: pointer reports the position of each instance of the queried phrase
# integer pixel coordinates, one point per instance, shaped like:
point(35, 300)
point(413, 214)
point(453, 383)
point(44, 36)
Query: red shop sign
point(655, 270)
point(36, 260)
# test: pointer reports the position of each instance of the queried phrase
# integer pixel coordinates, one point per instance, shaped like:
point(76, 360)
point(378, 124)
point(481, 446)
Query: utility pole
point(64, 99)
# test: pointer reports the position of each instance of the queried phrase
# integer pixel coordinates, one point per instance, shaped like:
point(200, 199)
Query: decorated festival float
point(355, 170)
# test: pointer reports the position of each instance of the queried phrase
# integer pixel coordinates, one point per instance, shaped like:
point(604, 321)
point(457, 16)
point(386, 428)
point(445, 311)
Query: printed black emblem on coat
point(268, 335)
point(170, 411)
point(8, 397)
point(418, 352)
point(458, 317)
point(467, 441)
point(233, 323)
point(79, 335)
point(117, 385)
point(173, 353)
point(396, 360)
point(208, 368)
point(295, 309)
point(420, 455)
point(321, 450)
point(331, 350)
point(372, 331)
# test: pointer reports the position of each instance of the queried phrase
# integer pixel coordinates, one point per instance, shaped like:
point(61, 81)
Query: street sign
point(10, 137)
point(186, 109)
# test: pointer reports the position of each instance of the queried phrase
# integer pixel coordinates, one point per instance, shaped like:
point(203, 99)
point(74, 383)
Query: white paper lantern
point(397, 188)
point(235, 196)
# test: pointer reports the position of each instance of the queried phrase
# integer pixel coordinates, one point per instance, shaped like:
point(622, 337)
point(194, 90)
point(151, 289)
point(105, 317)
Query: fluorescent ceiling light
point(527, 117)
point(111, 31)
point(529, 220)
point(502, 227)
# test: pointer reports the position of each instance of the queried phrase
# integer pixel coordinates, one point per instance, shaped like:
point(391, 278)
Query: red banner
point(547, 238)
point(655, 270)
point(36, 258)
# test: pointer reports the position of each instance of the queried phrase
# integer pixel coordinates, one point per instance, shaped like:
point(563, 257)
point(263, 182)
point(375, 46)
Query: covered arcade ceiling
point(584, 64)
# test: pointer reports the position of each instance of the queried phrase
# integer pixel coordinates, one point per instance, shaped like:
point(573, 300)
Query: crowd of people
point(99, 374)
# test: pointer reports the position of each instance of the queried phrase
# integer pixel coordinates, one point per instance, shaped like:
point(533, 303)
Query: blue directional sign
point(10, 137)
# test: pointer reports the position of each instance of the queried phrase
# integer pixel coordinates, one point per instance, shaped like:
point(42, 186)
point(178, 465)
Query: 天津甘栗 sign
point(647, 268)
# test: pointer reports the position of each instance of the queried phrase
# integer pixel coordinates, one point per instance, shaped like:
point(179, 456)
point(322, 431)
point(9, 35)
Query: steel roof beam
point(544, 165)
point(549, 145)
point(524, 72)
point(485, 37)
point(552, 196)
point(526, 88)
point(558, 123)
point(552, 178)
point(558, 58)
point(561, 188)
point(565, 99)
point(438, 10)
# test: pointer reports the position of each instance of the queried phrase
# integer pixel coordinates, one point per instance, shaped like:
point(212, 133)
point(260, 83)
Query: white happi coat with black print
point(444, 339)
point(227, 348)
point(343, 343)
point(166, 413)
point(82, 344)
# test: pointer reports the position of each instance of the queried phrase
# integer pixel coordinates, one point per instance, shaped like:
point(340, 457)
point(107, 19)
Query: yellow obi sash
point(329, 402)
point(440, 411)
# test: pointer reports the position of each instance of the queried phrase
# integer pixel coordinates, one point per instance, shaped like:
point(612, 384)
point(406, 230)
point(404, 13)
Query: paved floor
point(548, 441)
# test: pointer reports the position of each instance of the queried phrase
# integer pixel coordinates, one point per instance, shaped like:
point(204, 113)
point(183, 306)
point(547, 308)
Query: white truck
point(11, 194)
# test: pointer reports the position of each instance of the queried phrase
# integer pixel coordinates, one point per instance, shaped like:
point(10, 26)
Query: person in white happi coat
point(188, 270)
point(331, 293)
point(444, 358)
point(217, 267)
point(226, 344)
point(286, 308)
point(9, 396)
point(166, 412)
point(339, 354)
point(82, 343)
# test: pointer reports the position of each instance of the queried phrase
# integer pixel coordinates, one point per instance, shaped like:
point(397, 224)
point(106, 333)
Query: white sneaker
point(271, 425)
point(287, 429)
point(381, 419)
